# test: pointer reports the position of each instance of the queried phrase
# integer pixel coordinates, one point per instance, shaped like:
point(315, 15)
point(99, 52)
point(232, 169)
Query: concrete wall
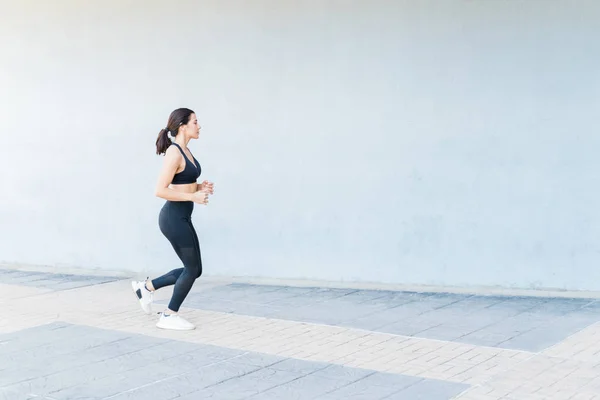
point(419, 142)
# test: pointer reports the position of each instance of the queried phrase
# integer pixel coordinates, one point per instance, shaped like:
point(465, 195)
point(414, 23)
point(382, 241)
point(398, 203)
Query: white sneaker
point(174, 322)
point(144, 295)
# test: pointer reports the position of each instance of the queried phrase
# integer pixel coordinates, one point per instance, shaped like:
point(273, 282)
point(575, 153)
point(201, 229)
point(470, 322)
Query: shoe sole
point(138, 294)
point(175, 329)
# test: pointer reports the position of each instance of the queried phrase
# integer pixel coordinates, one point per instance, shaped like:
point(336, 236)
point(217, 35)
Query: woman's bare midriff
point(185, 188)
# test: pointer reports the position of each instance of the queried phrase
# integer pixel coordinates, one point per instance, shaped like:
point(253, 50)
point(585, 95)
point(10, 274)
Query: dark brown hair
point(179, 117)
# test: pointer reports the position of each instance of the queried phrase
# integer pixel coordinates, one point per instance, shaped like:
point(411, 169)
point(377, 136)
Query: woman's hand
point(206, 187)
point(200, 197)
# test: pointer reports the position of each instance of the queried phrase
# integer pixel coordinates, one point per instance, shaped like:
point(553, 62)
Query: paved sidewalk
point(84, 337)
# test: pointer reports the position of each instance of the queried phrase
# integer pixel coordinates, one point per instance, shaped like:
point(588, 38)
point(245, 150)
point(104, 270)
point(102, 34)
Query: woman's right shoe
point(144, 296)
point(174, 322)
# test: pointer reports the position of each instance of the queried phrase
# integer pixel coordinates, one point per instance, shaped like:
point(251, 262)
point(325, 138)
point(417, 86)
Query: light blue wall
point(419, 142)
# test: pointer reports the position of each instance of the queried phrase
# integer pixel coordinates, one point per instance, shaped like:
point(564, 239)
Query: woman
point(177, 185)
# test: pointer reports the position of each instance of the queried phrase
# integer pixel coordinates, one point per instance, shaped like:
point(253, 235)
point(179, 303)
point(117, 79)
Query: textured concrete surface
point(64, 361)
point(50, 281)
point(523, 323)
point(93, 342)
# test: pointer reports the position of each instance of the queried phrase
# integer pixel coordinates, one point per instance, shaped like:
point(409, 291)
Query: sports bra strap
point(180, 149)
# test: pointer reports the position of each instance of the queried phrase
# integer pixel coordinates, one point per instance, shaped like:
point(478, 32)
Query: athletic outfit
point(175, 222)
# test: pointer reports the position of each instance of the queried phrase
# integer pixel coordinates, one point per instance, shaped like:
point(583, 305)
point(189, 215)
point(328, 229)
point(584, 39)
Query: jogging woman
point(177, 185)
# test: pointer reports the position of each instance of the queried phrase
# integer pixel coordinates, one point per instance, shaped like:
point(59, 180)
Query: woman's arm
point(170, 166)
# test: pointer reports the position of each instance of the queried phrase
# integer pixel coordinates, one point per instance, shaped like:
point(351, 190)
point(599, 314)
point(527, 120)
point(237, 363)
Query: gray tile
point(518, 304)
point(299, 366)
point(25, 341)
point(204, 303)
point(238, 291)
point(548, 333)
point(248, 385)
point(216, 373)
point(359, 391)
point(561, 306)
point(391, 380)
point(510, 322)
point(258, 359)
point(115, 384)
point(373, 387)
point(593, 306)
point(195, 376)
point(447, 333)
point(46, 354)
point(388, 317)
point(365, 297)
point(394, 299)
point(202, 357)
point(414, 325)
point(51, 281)
point(160, 390)
point(306, 387)
point(258, 310)
point(112, 358)
point(429, 389)
point(484, 338)
point(61, 361)
point(441, 300)
point(14, 277)
point(476, 320)
point(344, 374)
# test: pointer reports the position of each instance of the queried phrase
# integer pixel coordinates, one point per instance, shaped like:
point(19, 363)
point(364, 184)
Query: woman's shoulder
point(173, 151)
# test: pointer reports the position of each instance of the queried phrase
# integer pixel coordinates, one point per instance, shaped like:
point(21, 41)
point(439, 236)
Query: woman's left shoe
point(144, 296)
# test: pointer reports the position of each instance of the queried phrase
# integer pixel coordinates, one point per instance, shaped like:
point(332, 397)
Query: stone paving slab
point(12, 292)
point(51, 281)
point(62, 361)
point(522, 323)
point(112, 336)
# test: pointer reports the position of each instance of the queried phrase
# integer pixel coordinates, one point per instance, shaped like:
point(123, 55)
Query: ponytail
point(179, 117)
point(163, 142)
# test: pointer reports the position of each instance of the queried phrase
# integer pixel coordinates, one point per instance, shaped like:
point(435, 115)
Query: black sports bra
point(190, 173)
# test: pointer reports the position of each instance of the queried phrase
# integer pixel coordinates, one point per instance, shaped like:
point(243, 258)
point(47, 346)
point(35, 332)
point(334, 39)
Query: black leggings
point(175, 221)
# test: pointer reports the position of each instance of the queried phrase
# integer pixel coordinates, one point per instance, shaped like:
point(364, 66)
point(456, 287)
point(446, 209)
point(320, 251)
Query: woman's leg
point(186, 245)
point(167, 279)
point(171, 277)
point(176, 225)
point(143, 289)
point(174, 221)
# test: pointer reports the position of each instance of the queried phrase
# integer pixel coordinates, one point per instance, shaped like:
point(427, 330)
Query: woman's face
point(192, 128)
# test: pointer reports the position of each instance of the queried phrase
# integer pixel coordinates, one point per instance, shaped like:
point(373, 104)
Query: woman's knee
point(194, 270)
